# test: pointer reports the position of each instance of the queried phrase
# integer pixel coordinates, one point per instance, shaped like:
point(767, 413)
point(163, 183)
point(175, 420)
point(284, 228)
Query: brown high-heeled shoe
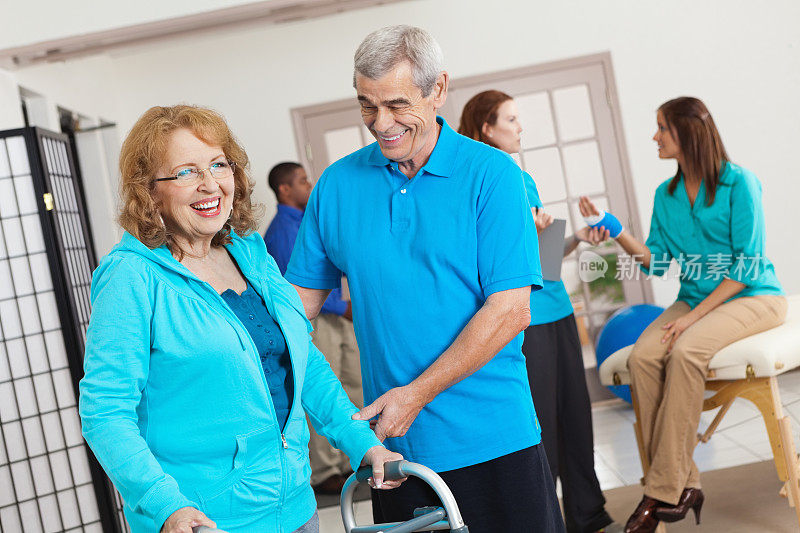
point(691, 498)
point(643, 519)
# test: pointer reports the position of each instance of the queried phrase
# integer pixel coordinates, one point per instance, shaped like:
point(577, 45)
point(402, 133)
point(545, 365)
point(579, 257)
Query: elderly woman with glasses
point(199, 369)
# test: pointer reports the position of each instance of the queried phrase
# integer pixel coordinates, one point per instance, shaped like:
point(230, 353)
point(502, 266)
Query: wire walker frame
point(49, 480)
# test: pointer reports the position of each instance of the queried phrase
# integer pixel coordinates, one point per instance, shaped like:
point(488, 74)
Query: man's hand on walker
point(376, 457)
point(396, 411)
point(184, 519)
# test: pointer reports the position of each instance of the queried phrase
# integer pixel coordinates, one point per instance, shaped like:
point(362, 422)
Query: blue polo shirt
point(421, 256)
point(552, 302)
point(726, 239)
point(280, 237)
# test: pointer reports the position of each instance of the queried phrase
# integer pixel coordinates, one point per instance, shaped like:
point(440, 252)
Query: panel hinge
point(309, 156)
point(609, 101)
point(48, 201)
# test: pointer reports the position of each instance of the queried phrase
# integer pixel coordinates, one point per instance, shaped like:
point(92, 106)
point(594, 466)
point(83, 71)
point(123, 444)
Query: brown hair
point(142, 154)
point(701, 146)
point(481, 109)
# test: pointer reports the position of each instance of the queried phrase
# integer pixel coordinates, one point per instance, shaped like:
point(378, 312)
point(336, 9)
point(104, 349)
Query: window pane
point(560, 210)
point(342, 142)
point(536, 120)
point(584, 169)
point(545, 167)
point(573, 113)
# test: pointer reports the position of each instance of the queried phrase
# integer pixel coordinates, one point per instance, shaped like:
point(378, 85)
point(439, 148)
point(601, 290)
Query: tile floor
point(740, 439)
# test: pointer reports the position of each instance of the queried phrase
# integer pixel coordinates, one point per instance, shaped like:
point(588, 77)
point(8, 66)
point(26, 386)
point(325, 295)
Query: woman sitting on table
point(199, 368)
point(552, 349)
point(709, 218)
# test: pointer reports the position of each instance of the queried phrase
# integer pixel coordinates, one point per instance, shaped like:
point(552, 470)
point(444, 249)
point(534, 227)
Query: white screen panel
point(80, 465)
point(34, 438)
point(53, 434)
point(63, 386)
point(18, 156)
point(18, 358)
point(44, 392)
point(21, 272)
point(8, 404)
point(48, 310)
point(8, 203)
point(15, 443)
point(14, 239)
point(33, 233)
point(23, 484)
point(5, 168)
point(37, 354)
point(6, 283)
point(59, 464)
point(9, 316)
point(30, 315)
point(42, 481)
point(72, 426)
point(40, 272)
point(25, 195)
point(68, 502)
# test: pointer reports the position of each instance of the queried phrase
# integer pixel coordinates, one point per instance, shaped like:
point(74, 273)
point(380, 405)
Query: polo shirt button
point(402, 191)
point(271, 343)
point(252, 317)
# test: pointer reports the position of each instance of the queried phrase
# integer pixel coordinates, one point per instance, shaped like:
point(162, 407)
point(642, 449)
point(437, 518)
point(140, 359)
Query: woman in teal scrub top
point(709, 218)
point(552, 348)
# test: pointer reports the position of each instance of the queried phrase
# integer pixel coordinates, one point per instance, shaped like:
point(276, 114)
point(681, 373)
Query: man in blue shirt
point(435, 235)
point(333, 331)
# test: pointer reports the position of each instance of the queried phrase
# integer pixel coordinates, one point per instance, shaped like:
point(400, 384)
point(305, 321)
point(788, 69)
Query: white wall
point(742, 59)
point(45, 20)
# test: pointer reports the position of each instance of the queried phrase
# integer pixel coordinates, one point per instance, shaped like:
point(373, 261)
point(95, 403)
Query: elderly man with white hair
point(434, 233)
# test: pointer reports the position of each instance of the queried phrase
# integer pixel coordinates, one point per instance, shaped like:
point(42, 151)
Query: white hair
point(383, 49)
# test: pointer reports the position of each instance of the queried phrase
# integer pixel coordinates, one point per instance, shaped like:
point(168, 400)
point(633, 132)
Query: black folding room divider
point(49, 479)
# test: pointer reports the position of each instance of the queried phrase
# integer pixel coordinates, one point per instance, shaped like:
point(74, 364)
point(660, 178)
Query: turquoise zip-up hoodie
point(175, 405)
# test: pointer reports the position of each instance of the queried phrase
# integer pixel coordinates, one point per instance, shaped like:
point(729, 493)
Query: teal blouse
point(552, 302)
point(712, 242)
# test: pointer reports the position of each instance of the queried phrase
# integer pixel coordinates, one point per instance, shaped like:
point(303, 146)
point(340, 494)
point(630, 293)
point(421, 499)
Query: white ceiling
point(36, 31)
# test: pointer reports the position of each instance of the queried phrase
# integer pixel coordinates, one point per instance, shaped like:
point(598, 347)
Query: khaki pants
point(669, 387)
point(333, 335)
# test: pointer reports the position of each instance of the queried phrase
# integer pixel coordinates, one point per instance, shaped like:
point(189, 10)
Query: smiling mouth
point(207, 208)
point(391, 139)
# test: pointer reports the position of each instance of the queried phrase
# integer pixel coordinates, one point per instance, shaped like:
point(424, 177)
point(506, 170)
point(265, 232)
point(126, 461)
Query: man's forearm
point(502, 317)
point(312, 300)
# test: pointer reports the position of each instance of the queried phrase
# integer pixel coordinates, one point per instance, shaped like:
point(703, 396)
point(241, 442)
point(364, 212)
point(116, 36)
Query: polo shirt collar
point(440, 163)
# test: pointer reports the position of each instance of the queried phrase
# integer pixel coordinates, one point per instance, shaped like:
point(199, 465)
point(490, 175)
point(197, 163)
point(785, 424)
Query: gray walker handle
point(206, 529)
point(448, 519)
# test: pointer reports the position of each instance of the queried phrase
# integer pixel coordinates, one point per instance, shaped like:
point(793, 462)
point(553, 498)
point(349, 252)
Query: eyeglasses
point(191, 176)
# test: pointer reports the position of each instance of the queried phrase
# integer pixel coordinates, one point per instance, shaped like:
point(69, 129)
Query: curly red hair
point(142, 154)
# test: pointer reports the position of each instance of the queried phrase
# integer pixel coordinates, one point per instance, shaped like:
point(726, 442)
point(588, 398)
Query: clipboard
point(551, 249)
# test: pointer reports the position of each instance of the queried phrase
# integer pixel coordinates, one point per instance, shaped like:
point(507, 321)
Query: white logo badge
point(591, 266)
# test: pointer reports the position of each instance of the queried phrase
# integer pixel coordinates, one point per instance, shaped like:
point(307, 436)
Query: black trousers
point(558, 384)
point(511, 494)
